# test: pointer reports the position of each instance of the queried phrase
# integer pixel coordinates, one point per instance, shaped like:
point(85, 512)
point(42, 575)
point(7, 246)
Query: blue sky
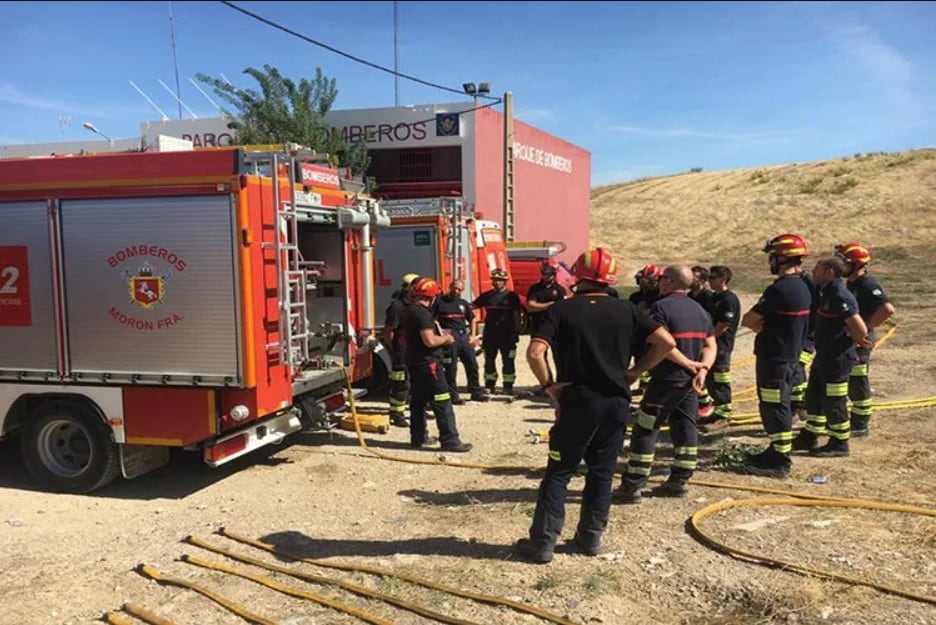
point(648, 88)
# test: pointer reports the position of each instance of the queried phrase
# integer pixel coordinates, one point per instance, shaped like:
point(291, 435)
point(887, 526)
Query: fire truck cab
point(214, 300)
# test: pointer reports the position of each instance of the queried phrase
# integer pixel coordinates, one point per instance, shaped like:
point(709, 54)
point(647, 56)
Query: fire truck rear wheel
point(68, 448)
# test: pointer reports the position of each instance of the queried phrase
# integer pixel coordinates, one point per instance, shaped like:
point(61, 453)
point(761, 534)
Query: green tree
point(283, 111)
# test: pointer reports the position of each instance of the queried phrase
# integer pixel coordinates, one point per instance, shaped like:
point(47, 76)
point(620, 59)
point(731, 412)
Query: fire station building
point(434, 150)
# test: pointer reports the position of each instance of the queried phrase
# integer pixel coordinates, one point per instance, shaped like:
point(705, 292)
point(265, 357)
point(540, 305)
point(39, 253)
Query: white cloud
point(689, 133)
point(537, 115)
point(882, 62)
point(13, 95)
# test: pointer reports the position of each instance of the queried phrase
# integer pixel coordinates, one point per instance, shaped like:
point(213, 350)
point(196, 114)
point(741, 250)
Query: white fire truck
point(214, 300)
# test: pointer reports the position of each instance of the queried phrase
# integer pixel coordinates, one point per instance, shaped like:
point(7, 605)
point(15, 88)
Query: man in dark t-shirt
point(502, 313)
point(425, 345)
point(839, 328)
point(593, 336)
point(780, 319)
point(672, 395)
point(455, 315)
point(875, 308)
point(726, 314)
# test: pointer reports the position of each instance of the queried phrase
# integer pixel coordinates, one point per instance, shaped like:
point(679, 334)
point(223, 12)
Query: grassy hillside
point(886, 201)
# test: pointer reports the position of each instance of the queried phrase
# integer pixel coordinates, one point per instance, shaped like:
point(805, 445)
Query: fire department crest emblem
point(146, 288)
point(447, 125)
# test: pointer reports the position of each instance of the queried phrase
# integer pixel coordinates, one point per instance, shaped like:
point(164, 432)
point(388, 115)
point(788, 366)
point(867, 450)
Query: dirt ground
point(66, 559)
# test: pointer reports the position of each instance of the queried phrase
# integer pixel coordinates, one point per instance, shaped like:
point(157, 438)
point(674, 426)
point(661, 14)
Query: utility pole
point(508, 167)
point(396, 60)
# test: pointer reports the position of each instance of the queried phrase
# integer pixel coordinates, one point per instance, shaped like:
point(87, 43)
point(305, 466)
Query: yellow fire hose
point(696, 519)
point(318, 579)
point(788, 498)
point(116, 618)
point(367, 617)
point(419, 581)
point(236, 608)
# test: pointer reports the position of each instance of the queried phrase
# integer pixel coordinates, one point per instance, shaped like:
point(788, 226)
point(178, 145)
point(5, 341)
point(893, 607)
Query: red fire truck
point(215, 300)
point(441, 238)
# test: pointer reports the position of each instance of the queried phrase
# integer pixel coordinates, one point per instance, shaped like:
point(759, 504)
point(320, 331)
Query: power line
point(346, 55)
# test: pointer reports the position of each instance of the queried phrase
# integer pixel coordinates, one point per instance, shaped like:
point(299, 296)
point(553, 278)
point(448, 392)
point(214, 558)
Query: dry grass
point(883, 200)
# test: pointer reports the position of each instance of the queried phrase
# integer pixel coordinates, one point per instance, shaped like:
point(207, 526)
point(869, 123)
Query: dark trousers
point(507, 348)
point(718, 383)
point(801, 371)
point(589, 426)
point(399, 385)
point(774, 392)
point(859, 389)
point(430, 386)
point(664, 403)
point(462, 351)
point(827, 397)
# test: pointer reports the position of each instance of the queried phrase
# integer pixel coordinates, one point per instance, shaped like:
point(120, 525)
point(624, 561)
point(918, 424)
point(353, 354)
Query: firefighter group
point(669, 345)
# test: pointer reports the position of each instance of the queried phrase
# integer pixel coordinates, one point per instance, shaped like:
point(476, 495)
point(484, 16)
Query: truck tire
point(67, 448)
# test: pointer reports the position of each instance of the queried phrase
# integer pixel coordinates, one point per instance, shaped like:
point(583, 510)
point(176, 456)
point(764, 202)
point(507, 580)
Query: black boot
point(768, 463)
point(832, 449)
point(805, 441)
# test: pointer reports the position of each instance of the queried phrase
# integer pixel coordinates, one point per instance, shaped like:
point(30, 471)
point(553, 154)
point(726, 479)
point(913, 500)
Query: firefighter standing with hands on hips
point(593, 336)
point(455, 315)
point(425, 345)
point(780, 319)
point(501, 330)
point(839, 329)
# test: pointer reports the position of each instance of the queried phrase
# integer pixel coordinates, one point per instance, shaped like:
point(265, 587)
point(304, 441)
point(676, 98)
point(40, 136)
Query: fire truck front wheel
point(68, 448)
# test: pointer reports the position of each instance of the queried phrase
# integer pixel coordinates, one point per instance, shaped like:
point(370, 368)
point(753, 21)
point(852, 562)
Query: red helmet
point(498, 274)
point(425, 287)
point(649, 272)
point(854, 253)
point(597, 265)
point(786, 245)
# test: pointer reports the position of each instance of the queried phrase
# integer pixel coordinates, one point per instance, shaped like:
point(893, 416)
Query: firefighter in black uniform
point(703, 295)
point(839, 328)
point(455, 315)
point(874, 309)
point(648, 291)
point(672, 395)
point(501, 330)
point(803, 366)
point(726, 314)
point(425, 344)
point(393, 338)
point(780, 320)
point(543, 295)
point(593, 336)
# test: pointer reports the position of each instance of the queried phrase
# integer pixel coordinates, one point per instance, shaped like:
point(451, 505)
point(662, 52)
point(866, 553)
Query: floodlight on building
point(470, 88)
point(484, 88)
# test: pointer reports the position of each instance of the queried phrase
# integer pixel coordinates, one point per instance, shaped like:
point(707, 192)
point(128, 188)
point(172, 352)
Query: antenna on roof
point(165, 117)
point(202, 91)
point(64, 122)
point(175, 60)
point(178, 99)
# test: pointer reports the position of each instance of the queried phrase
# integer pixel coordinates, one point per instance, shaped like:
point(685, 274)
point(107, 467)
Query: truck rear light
point(334, 402)
point(229, 447)
point(240, 412)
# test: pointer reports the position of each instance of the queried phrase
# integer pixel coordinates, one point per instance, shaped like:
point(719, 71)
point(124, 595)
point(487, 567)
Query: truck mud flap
point(135, 460)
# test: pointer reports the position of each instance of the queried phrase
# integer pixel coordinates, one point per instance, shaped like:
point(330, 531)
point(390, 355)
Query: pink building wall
point(552, 183)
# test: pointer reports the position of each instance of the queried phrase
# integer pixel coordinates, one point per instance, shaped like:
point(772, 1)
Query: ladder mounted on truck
point(295, 275)
point(428, 207)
